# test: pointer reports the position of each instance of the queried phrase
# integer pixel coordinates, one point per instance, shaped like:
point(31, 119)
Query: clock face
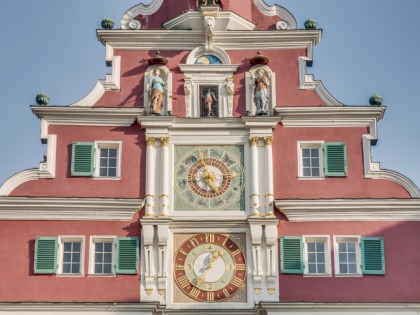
point(210, 267)
point(209, 178)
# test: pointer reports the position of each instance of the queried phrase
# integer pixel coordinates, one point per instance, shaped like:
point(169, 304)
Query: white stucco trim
point(340, 308)
point(350, 210)
point(227, 40)
point(87, 116)
point(111, 82)
point(46, 168)
point(200, 50)
point(137, 10)
point(307, 82)
point(276, 10)
point(68, 209)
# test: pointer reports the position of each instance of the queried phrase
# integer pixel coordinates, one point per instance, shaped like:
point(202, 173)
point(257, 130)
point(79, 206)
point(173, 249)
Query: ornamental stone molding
point(279, 11)
point(128, 21)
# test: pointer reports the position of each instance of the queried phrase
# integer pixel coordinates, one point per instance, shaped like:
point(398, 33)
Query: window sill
point(325, 275)
point(63, 275)
point(355, 275)
point(93, 275)
point(311, 178)
point(107, 178)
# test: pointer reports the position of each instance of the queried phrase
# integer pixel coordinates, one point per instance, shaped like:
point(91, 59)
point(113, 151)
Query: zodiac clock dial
point(210, 267)
point(209, 178)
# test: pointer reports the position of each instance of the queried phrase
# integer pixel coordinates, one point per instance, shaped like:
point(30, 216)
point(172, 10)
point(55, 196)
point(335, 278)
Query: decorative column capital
point(268, 140)
point(253, 141)
point(150, 141)
point(164, 141)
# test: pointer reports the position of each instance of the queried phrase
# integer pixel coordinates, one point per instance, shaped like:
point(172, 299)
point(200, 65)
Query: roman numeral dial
point(210, 267)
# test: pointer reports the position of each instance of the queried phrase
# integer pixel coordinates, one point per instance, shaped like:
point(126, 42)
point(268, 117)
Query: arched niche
point(166, 75)
point(200, 78)
point(251, 77)
point(215, 51)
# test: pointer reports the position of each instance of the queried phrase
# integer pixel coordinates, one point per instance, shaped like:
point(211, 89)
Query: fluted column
point(164, 197)
point(255, 196)
point(150, 176)
point(269, 196)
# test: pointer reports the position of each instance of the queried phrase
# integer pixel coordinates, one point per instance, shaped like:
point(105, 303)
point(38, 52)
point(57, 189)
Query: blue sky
point(367, 46)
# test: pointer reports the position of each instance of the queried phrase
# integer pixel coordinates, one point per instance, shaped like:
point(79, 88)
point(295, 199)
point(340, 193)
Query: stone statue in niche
point(260, 87)
point(209, 3)
point(156, 87)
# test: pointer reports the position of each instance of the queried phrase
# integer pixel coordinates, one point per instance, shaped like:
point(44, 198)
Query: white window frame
point(98, 239)
point(71, 238)
point(97, 159)
point(311, 145)
point(317, 238)
point(348, 238)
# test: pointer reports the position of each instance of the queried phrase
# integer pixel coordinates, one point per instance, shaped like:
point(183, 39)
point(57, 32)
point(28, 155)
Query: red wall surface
point(131, 184)
point(20, 284)
point(402, 260)
point(287, 185)
point(283, 62)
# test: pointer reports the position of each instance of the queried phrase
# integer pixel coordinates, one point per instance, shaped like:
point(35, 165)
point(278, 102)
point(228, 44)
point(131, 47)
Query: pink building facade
point(209, 174)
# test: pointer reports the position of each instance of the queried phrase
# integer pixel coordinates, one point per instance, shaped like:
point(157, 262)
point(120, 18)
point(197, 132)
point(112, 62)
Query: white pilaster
point(164, 197)
point(162, 274)
point(148, 259)
point(150, 177)
point(257, 273)
point(269, 196)
point(255, 196)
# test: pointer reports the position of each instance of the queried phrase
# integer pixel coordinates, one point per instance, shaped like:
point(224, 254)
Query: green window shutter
point(291, 254)
point(127, 253)
point(335, 160)
point(373, 256)
point(46, 255)
point(82, 159)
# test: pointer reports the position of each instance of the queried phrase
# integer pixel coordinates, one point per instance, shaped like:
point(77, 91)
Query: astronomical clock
point(209, 178)
point(210, 268)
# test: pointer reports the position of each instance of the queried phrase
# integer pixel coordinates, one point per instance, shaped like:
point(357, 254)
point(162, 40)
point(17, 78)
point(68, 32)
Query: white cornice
point(198, 68)
point(189, 40)
point(23, 208)
point(87, 116)
point(334, 308)
point(350, 210)
point(80, 308)
point(137, 10)
point(276, 10)
point(348, 116)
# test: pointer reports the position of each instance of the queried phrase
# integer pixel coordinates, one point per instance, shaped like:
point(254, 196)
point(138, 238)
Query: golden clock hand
point(215, 255)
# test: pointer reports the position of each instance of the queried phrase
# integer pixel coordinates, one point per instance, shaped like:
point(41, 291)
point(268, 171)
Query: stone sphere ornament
point(108, 24)
point(310, 24)
point(42, 99)
point(376, 100)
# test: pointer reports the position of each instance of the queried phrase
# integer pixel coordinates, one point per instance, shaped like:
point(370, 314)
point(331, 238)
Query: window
point(309, 255)
point(64, 255)
point(353, 255)
point(319, 160)
point(317, 255)
point(100, 159)
point(71, 256)
point(356, 255)
point(102, 254)
point(348, 257)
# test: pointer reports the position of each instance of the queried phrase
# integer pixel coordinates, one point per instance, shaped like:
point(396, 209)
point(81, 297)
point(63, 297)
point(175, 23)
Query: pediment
point(225, 21)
